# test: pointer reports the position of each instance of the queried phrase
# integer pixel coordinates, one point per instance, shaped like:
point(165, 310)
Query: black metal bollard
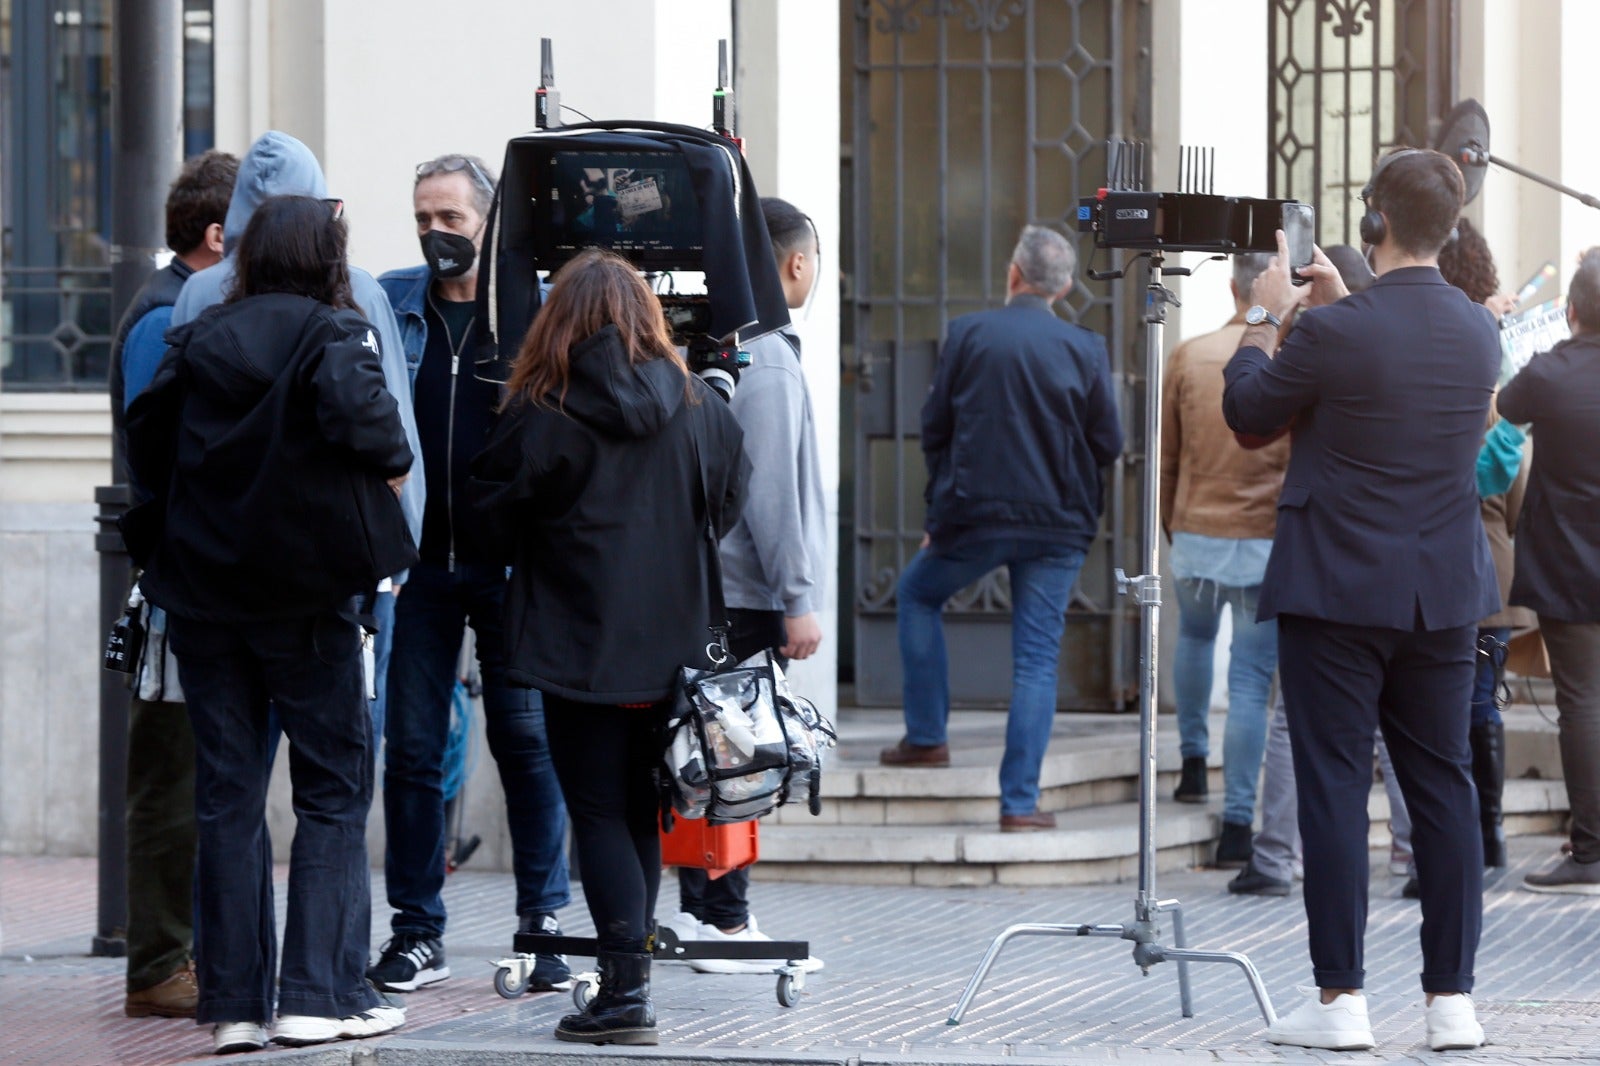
point(111, 925)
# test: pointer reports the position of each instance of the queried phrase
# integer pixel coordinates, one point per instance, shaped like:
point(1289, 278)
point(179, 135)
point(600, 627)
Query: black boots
point(1489, 774)
point(1192, 786)
point(1234, 847)
point(621, 1012)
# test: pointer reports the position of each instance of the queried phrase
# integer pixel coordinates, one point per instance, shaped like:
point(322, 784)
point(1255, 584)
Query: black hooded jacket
point(262, 450)
point(597, 505)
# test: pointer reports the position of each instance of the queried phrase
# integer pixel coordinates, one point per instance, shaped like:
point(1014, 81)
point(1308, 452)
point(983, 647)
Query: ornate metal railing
point(56, 328)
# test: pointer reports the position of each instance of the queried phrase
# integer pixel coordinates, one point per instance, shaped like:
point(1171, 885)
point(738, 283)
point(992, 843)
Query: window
point(55, 135)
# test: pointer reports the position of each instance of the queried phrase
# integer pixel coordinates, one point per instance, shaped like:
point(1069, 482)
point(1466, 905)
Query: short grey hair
point(479, 178)
point(1247, 267)
point(1045, 258)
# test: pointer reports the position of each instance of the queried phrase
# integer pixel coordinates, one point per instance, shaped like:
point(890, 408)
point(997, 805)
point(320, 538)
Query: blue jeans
point(310, 671)
point(382, 646)
point(429, 619)
point(1252, 658)
point(1042, 574)
point(1490, 670)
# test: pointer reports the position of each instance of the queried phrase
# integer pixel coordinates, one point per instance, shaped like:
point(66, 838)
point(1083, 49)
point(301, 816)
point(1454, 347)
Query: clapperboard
point(1527, 333)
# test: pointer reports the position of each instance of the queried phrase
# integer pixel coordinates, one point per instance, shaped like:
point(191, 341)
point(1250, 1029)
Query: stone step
point(1091, 845)
point(1078, 772)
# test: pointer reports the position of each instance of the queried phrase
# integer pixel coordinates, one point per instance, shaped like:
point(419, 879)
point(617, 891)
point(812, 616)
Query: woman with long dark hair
point(610, 470)
point(271, 454)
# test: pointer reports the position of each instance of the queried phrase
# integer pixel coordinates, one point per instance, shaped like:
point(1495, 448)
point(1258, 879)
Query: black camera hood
point(745, 294)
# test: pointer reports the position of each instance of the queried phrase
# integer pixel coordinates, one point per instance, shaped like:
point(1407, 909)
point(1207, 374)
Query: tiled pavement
point(897, 959)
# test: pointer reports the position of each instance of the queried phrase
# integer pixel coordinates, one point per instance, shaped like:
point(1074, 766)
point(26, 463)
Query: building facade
point(919, 134)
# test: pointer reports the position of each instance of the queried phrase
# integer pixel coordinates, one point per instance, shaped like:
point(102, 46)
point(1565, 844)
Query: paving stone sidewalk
point(897, 958)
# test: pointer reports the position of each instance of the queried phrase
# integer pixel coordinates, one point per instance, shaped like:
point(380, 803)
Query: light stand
point(1145, 929)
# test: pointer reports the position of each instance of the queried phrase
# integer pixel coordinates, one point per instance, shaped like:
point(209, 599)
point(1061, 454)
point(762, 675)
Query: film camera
point(667, 198)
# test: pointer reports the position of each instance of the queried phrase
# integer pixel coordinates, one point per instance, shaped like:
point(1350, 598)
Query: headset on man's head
point(1374, 228)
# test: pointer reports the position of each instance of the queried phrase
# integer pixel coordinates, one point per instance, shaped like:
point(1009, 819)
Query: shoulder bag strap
point(719, 625)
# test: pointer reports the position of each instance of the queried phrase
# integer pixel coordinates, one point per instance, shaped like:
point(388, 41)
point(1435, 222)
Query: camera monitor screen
point(641, 205)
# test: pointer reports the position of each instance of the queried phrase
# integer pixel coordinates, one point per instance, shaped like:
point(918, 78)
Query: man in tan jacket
point(1219, 506)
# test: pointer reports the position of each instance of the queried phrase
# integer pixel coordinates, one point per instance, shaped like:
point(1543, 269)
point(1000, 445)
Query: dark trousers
point(1340, 683)
point(161, 835)
point(606, 757)
point(309, 669)
point(430, 616)
point(1575, 669)
point(725, 902)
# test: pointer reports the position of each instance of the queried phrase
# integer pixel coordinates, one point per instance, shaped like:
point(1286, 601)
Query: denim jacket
point(407, 290)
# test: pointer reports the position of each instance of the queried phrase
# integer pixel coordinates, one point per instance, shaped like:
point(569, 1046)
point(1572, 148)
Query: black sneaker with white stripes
point(408, 962)
point(550, 972)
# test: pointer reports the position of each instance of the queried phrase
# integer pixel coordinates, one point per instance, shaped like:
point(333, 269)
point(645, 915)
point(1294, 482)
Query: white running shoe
point(749, 934)
point(229, 1037)
point(301, 1030)
point(685, 927)
point(1453, 1023)
point(1338, 1026)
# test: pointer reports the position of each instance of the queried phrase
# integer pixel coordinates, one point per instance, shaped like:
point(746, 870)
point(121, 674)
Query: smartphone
point(1299, 227)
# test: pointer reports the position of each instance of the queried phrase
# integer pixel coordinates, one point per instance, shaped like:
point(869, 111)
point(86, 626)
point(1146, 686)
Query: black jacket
point(598, 507)
point(1021, 418)
point(1558, 534)
point(263, 445)
point(1378, 522)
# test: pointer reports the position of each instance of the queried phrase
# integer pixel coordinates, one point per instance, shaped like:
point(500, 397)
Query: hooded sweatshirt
point(279, 165)
point(600, 501)
point(266, 440)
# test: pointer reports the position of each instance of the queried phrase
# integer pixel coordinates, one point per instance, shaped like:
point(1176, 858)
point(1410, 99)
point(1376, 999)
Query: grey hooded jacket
point(279, 165)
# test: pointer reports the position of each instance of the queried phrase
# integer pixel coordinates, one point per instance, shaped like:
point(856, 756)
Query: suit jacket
point(1378, 521)
point(1558, 535)
point(1021, 418)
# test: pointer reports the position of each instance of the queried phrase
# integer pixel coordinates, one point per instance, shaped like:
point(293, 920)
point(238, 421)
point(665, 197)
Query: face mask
point(449, 255)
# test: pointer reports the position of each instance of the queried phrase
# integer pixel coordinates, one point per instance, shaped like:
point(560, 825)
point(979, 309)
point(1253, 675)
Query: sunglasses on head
point(450, 164)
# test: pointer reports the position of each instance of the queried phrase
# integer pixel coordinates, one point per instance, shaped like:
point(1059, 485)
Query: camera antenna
point(546, 100)
point(723, 110)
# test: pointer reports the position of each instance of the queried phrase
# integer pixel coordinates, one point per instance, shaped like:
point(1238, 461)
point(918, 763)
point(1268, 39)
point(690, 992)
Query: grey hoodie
point(774, 558)
point(279, 165)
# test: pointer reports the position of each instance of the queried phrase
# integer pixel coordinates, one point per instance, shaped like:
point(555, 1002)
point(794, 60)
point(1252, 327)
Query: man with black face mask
point(448, 589)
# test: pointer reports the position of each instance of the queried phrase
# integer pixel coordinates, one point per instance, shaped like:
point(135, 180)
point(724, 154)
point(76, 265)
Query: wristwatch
point(1258, 314)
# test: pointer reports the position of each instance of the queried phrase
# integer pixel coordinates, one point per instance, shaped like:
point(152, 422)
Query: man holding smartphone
point(1378, 575)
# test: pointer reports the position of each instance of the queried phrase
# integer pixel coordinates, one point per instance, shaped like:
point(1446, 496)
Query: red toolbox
point(713, 848)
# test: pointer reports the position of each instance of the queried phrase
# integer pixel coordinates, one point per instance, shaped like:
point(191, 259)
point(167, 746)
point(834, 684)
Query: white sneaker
point(750, 933)
point(301, 1030)
point(229, 1037)
point(1338, 1026)
point(685, 926)
point(1453, 1023)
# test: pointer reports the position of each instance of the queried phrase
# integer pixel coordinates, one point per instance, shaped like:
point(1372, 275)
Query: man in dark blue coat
point(1021, 419)
point(1379, 573)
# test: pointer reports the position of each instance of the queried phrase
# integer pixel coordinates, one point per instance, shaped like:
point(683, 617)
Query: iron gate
point(971, 118)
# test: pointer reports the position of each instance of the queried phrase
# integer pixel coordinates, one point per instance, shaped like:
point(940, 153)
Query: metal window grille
point(1349, 80)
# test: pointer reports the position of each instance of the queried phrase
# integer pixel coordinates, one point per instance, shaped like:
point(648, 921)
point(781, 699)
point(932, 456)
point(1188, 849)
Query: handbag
point(739, 743)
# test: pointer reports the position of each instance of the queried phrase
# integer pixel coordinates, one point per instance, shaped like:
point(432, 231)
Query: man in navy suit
point(1021, 419)
point(1378, 575)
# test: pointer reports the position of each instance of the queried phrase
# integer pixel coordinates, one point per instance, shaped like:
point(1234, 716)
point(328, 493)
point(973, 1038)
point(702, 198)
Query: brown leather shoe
point(175, 997)
point(1027, 823)
point(906, 753)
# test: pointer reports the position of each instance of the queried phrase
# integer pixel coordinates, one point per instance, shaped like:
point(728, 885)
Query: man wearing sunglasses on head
point(450, 588)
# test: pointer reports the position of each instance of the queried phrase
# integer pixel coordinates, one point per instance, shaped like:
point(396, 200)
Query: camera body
point(716, 362)
point(666, 198)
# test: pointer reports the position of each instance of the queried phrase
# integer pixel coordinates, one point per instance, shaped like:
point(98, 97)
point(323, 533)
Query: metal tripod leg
point(1114, 931)
point(1185, 999)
